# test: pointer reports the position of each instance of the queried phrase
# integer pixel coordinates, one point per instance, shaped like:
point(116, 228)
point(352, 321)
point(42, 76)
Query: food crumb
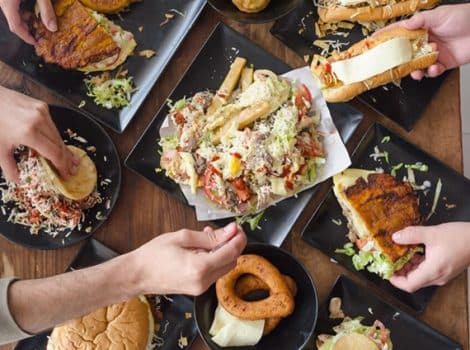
point(141, 29)
point(370, 310)
point(188, 315)
point(182, 341)
point(395, 315)
point(82, 104)
point(147, 53)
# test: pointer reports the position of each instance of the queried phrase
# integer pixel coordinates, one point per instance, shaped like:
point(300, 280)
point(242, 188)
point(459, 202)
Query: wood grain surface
point(144, 211)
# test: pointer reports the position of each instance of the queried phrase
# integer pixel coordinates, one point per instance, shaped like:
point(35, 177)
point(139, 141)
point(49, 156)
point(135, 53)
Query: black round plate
point(108, 166)
point(276, 9)
point(293, 332)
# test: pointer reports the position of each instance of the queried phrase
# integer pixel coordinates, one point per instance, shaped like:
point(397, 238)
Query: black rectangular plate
point(406, 331)
point(207, 72)
point(92, 253)
point(323, 234)
point(403, 105)
point(69, 84)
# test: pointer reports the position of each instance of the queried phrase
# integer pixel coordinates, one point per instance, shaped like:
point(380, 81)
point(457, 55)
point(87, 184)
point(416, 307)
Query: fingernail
point(396, 236)
point(52, 26)
point(73, 170)
point(230, 228)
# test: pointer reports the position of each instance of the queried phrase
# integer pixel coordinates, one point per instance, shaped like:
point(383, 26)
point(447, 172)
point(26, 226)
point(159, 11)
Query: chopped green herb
point(393, 172)
point(437, 194)
point(348, 249)
point(252, 221)
point(385, 139)
point(417, 166)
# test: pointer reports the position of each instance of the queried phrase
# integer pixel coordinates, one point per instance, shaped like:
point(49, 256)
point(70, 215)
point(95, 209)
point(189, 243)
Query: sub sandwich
point(383, 58)
point(369, 10)
point(376, 206)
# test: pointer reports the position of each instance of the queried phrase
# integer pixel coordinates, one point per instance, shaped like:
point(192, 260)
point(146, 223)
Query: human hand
point(26, 121)
point(447, 255)
point(449, 33)
point(17, 21)
point(187, 262)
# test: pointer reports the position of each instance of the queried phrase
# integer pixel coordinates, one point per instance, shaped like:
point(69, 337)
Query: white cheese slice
point(228, 330)
point(350, 2)
point(377, 60)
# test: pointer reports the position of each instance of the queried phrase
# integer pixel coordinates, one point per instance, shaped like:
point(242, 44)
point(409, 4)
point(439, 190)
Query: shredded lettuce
point(251, 220)
point(168, 142)
point(378, 263)
point(111, 93)
point(348, 249)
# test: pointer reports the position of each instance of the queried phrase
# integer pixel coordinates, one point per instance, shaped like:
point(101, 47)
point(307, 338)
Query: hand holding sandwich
point(447, 255)
point(449, 30)
point(26, 121)
point(17, 20)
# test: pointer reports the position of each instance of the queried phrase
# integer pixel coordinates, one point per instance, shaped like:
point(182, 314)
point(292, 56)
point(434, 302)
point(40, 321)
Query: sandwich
point(85, 40)
point(107, 6)
point(376, 205)
point(128, 325)
point(383, 58)
point(351, 334)
point(370, 10)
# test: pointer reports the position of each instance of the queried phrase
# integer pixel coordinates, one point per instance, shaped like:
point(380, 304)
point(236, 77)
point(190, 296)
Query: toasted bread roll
point(384, 11)
point(380, 59)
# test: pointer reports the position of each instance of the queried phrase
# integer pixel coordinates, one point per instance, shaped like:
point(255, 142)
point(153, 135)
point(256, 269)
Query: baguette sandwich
point(376, 206)
point(369, 10)
point(383, 58)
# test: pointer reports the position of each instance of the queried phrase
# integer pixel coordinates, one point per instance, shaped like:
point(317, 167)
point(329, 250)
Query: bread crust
point(371, 14)
point(347, 92)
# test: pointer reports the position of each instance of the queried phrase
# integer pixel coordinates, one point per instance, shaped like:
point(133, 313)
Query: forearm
point(40, 304)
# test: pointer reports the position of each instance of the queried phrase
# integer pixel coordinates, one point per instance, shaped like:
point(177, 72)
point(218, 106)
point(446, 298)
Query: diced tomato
point(179, 118)
point(209, 184)
point(361, 243)
point(384, 333)
point(328, 68)
point(309, 148)
point(303, 100)
point(289, 185)
point(242, 190)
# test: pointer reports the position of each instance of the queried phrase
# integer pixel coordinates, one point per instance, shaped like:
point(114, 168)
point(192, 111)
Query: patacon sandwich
point(85, 40)
point(128, 325)
point(369, 10)
point(351, 334)
point(376, 205)
point(383, 58)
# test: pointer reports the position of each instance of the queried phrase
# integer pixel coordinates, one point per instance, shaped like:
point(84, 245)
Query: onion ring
point(279, 303)
point(248, 284)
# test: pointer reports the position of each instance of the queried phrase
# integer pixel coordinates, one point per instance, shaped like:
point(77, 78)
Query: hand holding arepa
point(26, 121)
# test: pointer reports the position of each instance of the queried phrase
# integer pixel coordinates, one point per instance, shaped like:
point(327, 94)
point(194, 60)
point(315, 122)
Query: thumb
point(410, 235)
point(48, 14)
point(209, 239)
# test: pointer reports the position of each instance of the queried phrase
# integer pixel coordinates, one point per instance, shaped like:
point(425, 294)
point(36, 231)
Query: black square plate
point(207, 72)
point(69, 84)
point(325, 235)
point(404, 104)
point(406, 331)
point(173, 308)
point(108, 167)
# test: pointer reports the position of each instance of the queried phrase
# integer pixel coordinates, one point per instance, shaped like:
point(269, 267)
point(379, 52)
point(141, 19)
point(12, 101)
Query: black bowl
point(293, 332)
point(276, 9)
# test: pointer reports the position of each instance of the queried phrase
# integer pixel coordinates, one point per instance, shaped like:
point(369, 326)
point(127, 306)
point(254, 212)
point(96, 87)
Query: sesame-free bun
point(128, 325)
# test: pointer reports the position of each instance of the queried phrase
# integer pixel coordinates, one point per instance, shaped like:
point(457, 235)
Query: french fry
point(244, 118)
point(247, 78)
point(229, 84)
point(221, 116)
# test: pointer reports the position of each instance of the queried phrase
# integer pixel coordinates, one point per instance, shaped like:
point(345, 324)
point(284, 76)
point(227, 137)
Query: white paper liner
point(337, 157)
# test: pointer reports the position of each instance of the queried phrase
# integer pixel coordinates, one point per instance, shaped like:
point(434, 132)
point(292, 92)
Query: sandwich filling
point(351, 334)
point(376, 206)
point(344, 68)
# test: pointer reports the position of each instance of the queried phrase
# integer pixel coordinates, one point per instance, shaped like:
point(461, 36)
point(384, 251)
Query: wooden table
point(144, 211)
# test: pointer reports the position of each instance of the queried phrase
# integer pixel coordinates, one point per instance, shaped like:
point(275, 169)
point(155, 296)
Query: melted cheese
point(227, 330)
point(377, 60)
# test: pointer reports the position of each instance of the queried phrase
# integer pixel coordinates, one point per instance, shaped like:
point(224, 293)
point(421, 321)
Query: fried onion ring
point(248, 284)
point(279, 303)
